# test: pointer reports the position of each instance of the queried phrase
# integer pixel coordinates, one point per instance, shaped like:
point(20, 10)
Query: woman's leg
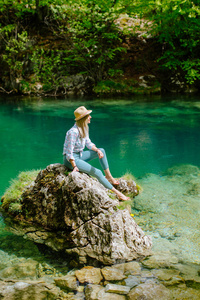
point(89, 155)
point(85, 167)
point(120, 195)
point(67, 163)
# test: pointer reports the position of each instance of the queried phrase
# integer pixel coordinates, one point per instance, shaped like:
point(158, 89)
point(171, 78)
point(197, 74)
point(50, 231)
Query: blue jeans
point(83, 166)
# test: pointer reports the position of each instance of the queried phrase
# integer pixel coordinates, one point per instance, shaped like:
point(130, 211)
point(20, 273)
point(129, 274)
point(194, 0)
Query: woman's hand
point(100, 153)
point(75, 169)
point(74, 166)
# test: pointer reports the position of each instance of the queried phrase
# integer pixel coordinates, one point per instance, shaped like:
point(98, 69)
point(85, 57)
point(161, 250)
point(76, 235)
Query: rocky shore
point(159, 277)
point(26, 273)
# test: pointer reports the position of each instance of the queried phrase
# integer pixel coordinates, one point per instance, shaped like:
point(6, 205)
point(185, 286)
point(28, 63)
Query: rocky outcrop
point(74, 213)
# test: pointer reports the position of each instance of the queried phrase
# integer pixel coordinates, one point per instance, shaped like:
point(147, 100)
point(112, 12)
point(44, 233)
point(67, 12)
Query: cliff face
point(74, 213)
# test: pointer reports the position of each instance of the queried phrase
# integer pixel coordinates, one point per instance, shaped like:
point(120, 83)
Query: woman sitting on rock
point(77, 160)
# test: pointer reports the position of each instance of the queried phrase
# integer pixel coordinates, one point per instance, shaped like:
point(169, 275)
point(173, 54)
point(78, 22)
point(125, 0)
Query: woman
point(76, 159)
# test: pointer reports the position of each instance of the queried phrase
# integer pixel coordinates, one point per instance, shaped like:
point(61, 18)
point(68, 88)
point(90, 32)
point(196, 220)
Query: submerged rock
point(29, 290)
point(149, 290)
point(74, 213)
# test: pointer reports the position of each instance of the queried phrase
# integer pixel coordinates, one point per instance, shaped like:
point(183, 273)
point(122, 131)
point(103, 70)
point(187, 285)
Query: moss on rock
point(12, 196)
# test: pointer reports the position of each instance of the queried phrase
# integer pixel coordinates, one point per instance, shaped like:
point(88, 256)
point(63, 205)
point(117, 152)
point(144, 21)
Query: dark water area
point(140, 135)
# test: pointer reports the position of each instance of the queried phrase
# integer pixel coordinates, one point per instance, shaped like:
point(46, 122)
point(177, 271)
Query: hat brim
point(85, 114)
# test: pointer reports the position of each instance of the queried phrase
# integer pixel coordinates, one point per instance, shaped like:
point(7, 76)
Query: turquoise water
point(144, 135)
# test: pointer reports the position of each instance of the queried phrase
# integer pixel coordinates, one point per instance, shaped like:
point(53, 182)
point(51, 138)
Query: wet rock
point(190, 274)
point(94, 292)
point(189, 271)
point(23, 269)
point(132, 281)
point(149, 291)
point(185, 293)
point(175, 280)
point(68, 282)
point(160, 260)
point(74, 213)
point(132, 267)
point(118, 289)
point(27, 291)
point(128, 187)
point(89, 275)
point(112, 274)
point(146, 275)
point(165, 274)
point(182, 170)
point(169, 277)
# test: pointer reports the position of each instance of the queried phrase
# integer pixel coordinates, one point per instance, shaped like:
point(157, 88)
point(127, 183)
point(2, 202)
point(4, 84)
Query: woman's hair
point(83, 127)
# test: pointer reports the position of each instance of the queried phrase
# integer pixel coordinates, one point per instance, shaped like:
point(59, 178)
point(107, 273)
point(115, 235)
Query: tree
point(95, 39)
point(177, 28)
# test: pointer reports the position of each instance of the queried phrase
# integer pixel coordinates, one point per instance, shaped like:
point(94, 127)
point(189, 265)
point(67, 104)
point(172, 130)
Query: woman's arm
point(99, 152)
point(74, 166)
point(69, 144)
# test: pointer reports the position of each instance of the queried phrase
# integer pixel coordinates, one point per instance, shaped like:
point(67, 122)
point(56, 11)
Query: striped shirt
point(74, 143)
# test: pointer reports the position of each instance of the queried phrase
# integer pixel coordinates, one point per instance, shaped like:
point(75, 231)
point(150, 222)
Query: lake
point(145, 135)
point(155, 138)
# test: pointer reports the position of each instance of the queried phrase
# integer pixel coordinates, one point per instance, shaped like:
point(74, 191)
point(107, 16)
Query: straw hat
point(81, 112)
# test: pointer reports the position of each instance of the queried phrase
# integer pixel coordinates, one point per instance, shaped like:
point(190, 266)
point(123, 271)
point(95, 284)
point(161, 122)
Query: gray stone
point(23, 269)
point(20, 285)
point(112, 274)
point(89, 275)
point(97, 292)
point(132, 281)
point(165, 274)
point(185, 293)
point(30, 290)
point(160, 260)
point(92, 290)
point(149, 291)
point(68, 282)
point(118, 289)
point(75, 213)
point(132, 268)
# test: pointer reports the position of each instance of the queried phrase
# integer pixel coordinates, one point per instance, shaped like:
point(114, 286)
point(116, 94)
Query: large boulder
point(72, 211)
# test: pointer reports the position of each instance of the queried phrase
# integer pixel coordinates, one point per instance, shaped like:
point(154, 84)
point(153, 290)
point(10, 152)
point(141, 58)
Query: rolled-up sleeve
point(69, 144)
point(88, 143)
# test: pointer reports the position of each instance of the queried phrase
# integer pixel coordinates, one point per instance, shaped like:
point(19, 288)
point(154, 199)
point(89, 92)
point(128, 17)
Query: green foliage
point(128, 176)
point(95, 39)
point(177, 26)
point(124, 87)
point(87, 40)
point(49, 68)
point(15, 208)
point(13, 193)
point(16, 45)
point(108, 87)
